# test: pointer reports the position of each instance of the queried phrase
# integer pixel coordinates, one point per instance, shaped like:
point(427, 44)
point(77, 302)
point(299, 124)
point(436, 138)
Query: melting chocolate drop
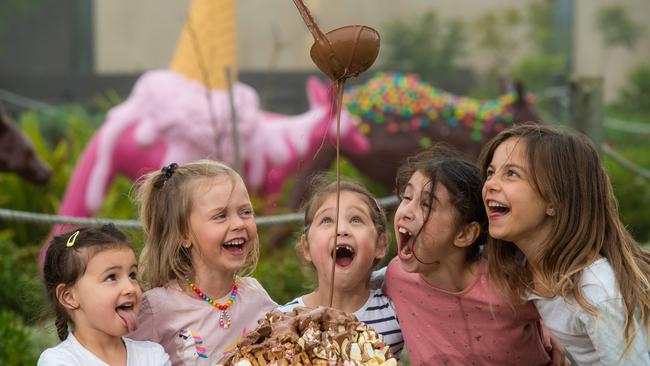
point(346, 51)
point(343, 52)
point(340, 54)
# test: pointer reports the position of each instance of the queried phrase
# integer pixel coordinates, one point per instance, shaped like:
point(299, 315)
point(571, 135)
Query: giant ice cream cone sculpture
point(208, 43)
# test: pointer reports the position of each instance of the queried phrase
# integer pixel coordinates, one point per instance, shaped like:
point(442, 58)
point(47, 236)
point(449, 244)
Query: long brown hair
point(165, 208)
point(66, 259)
point(567, 172)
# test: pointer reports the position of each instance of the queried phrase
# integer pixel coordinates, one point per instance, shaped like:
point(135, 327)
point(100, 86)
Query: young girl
point(90, 279)
point(200, 241)
point(361, 242)
point(449, 313)
point(547, 193)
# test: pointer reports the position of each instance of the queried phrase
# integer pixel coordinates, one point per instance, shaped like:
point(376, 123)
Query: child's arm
point(607, 335)
point(377, 278)
point(554, 347)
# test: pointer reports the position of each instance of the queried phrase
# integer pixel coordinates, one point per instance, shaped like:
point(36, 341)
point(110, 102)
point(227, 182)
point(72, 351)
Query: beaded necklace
point(224, 316)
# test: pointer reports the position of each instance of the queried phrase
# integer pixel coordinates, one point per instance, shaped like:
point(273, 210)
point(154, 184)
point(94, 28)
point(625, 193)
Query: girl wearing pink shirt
point(200, 243)
point(448, 311)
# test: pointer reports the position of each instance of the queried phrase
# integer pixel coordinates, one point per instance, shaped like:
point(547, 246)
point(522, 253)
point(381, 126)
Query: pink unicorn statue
point(167, 118)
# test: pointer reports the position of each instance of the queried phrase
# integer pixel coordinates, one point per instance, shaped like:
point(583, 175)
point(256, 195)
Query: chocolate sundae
point(321, 336)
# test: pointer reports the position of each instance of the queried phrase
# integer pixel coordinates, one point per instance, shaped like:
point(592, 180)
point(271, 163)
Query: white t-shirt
point(378, 312)
point(71, 353)
point(591, 340)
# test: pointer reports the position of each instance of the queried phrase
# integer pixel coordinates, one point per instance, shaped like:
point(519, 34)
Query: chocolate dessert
point(321, 336)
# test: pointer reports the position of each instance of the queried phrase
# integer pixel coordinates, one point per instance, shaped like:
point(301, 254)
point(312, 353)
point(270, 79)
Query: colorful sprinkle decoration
point(224, 316)
point(402, 103)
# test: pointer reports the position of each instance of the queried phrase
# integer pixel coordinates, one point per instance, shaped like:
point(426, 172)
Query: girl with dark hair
point(90, 279)
point(448, 311)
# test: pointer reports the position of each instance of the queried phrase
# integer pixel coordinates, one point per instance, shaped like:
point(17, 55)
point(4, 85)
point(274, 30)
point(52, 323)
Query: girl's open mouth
point(405, 240)
point(235, 246)
point(344, 255)
point(496, 209)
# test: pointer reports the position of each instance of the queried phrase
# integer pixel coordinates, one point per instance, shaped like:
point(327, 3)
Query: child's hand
point(555, 349)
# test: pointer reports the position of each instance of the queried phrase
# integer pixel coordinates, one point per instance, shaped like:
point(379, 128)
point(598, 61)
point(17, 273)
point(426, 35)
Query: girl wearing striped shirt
point(361, 243)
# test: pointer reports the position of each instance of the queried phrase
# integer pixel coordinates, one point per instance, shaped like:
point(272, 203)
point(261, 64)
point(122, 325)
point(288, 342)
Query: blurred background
point(65, 63)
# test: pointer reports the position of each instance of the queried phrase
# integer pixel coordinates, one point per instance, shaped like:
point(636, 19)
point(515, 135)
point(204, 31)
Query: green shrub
point(15, 347)
point(20, 285)
point(427, 45)
point(282, 276)
point(633, 101)
point(632, 191)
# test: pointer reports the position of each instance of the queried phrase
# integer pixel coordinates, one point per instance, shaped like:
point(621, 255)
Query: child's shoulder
point(142, 345)
point(598, 282)
point(62, 354)
point(252, 289)
point(378, 295)
point(250, 283)
point(297, 302)
point(377, 301)
point(600, 271)
point(172, 289)
point(146, 352)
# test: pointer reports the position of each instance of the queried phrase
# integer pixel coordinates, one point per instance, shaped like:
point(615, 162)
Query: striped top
point(378, 312)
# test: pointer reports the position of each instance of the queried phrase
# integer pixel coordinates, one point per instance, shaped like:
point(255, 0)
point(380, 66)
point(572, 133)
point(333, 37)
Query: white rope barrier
point(622, 161)
point(40, 218)
point(23, 102)
point(627, 126)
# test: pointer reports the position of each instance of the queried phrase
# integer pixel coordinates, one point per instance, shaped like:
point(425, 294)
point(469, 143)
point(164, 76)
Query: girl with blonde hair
point(200, 244)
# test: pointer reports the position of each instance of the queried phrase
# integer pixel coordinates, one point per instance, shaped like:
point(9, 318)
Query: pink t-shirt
point(472, 327)
point(187, 327)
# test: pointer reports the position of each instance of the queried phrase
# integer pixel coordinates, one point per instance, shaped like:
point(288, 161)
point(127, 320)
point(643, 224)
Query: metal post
point(233, 119)
point(587, 107)
point(83, 62)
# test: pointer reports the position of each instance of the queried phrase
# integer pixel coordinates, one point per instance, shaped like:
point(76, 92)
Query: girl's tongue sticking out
point(125, 311)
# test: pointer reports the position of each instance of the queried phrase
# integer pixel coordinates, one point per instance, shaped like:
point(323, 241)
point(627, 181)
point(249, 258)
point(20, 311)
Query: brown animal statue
point(17, 153)
point(399, 115)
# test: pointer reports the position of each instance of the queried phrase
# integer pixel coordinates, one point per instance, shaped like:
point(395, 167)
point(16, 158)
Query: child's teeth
point(403, 231)
point(235, 242)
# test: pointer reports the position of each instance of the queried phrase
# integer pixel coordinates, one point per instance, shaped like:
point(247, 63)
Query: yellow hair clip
point(71, 239)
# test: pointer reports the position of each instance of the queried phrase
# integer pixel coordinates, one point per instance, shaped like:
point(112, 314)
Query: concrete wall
point(132, 36)
point(276, 37)
point(592, 58)
point(135, 36)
